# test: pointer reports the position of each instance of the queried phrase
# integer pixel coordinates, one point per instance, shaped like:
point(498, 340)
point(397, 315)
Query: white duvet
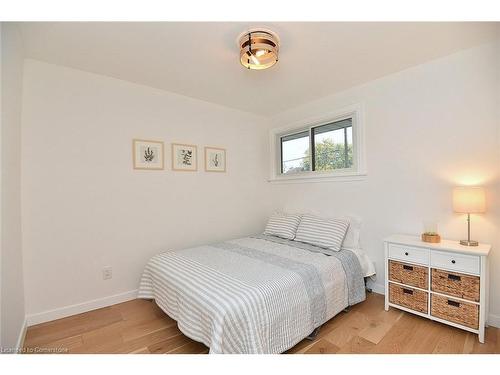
point(248, 295)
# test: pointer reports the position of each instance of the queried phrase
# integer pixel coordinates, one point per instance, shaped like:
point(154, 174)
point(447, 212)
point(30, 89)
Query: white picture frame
point(148, 154)
point(215, 159)
point(184, 157)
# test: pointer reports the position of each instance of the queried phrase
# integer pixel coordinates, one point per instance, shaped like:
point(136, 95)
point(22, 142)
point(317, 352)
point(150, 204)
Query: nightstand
point(446, 282)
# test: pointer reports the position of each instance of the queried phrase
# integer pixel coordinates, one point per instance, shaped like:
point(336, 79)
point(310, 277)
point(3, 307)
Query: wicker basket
point(464, 313)
point(408, 297)
point(455, 284)
point(432, 238)
point(408, 274)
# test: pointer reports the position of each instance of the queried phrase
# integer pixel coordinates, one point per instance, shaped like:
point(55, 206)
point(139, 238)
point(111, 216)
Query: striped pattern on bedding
point(326, 233)
point(210, 300)
point(248, 295)
point(349, 259)
point(282, 225)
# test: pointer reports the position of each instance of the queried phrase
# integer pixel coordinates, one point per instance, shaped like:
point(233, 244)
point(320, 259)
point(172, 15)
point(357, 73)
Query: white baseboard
point(62, 312)
point(493, 319)
point(377, 288)
point(22, 334)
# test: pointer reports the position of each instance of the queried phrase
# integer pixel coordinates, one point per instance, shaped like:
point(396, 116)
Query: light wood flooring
point(139, 326)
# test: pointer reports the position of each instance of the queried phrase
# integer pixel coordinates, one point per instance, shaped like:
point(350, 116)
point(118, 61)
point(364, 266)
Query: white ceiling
point(200, 59)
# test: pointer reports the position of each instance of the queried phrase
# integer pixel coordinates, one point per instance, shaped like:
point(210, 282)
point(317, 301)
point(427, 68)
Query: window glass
point(295, 153)
point(333, 146)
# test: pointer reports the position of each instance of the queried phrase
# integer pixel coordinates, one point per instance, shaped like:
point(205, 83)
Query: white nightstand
point(446, 282)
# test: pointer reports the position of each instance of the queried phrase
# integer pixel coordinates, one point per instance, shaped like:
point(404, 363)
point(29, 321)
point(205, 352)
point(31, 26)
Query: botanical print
point(215, 159)
point(148, 154)
point(184, 157)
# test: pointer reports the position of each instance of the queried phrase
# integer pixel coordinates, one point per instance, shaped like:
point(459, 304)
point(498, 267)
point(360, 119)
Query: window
point(295, 152)
point(331, 146)
point(325, 149)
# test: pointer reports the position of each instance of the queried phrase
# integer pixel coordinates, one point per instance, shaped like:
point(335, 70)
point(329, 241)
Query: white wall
point(427, 129)
point(84, 207)
point(12, 289)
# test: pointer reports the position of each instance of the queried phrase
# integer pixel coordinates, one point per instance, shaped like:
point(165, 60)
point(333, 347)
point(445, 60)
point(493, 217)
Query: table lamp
point(469, 200)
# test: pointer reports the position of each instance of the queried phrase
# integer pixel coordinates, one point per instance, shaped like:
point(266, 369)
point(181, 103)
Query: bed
point(260, 294)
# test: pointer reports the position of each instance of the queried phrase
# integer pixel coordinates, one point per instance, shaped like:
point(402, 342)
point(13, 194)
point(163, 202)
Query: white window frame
point(357, 172)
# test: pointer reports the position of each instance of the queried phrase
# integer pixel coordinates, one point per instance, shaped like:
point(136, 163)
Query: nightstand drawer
point(409, 254)
point(464, 313)
point(456, 262)
point(410, 298)
point(408, 274)
point(455, 284)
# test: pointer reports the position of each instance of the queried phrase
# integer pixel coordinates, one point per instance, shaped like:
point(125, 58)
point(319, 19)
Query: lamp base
point(469, 243)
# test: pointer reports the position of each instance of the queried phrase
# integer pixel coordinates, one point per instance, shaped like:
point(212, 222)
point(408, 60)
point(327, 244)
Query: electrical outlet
point(107, 273)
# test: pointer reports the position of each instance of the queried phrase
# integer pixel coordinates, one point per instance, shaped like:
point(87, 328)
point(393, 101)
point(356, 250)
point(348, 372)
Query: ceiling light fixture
point(258, 49)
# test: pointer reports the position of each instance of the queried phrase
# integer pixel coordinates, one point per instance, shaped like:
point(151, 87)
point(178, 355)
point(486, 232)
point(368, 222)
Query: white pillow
point(367, 266)
point(326, 233)
point(282, 225)
point(351, 240)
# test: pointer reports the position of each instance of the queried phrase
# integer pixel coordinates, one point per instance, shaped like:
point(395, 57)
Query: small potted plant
point(432, 237)
point(430, 232)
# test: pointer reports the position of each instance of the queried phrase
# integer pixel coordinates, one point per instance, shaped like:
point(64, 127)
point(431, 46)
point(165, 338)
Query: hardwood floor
point(139, 326)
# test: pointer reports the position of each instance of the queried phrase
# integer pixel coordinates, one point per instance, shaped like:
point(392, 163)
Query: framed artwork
point(147, 154)
point(184, 157)
point(215, 159)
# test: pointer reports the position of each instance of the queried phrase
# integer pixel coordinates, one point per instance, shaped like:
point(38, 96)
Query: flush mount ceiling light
point(258, 49)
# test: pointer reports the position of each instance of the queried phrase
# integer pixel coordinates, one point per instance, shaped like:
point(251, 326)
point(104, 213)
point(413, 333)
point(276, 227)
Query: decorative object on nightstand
point(430, 232)
point(469, 200)
point(431, 237)
point(446, 282)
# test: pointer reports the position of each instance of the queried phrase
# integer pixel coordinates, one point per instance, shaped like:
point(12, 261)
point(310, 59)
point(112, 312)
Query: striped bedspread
point(251, 295)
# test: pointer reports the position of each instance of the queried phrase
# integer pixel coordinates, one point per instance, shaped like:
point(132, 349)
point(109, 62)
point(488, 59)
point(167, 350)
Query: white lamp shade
point(469, 199)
